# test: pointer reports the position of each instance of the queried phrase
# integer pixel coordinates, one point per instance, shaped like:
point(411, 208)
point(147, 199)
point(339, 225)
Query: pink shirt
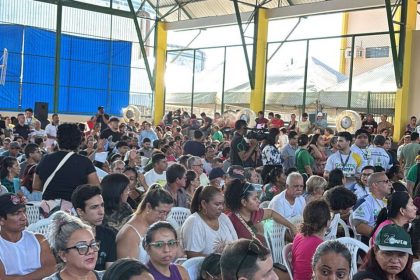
point(303, 249)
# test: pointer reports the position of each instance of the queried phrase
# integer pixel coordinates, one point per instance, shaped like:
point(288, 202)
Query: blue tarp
point(93, 72)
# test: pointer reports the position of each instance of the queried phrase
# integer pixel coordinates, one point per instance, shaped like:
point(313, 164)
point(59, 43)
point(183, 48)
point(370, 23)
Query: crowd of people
point(108, 186)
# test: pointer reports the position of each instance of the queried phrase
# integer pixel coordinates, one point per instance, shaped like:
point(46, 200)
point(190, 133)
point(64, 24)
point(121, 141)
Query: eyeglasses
point(383, 181)
point(366, 174)
point(253, 250)
point(83, 249)
point(161, 244)
point(212, 277)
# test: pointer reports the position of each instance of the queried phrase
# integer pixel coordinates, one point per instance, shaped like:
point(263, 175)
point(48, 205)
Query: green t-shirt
point(217, 136)
point(412, 173)
point(303, 158)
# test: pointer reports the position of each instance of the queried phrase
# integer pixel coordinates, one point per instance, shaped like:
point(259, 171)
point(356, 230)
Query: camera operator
point(271, 156)
point(102, 118)
point(243, 153)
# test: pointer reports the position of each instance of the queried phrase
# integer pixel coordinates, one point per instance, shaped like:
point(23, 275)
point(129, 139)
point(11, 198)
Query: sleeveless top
point(143, 256)
point(175, 274)
point(21, 257)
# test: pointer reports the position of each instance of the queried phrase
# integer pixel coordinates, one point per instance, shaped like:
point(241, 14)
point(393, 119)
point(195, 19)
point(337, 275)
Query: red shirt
point(241, 230)
point(277, 123)
point(303, 249)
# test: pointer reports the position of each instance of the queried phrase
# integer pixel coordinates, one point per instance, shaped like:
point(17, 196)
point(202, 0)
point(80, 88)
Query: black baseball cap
point(100, 107)
point(10, 203)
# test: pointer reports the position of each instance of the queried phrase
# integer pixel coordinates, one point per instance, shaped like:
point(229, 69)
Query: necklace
point(343, 164)
point(246, 225)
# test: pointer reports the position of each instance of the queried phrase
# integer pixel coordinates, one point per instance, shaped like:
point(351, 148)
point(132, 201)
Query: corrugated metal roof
point(187, 9)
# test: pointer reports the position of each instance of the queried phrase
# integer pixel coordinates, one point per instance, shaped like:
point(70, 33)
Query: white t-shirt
point(204, 180)
point(52, 131)
point(359, 190)
point(280, 204)
point(381, 158)
point(416, 268)
point(367, 209)
point(365, 154)
point(350, 164)
point(198, 237)
point(153, 177)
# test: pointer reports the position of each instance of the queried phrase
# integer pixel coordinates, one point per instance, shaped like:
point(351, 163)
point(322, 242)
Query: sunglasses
point(83, 249)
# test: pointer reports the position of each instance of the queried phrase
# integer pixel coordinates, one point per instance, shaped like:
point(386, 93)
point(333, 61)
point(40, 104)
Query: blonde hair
point(315, 183)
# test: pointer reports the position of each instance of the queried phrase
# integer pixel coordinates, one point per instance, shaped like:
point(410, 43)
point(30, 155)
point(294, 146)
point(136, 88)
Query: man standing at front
point(290, 202)
point(242, 153)
point(23, 255)
point(344, 159)
point(51, 131)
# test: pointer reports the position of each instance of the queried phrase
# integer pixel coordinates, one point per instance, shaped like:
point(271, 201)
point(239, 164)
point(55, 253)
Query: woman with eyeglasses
point(246, 214)
point(154, 207)
point(400, 210)
point(207, 230)
point(74, 247)
point(161, 243)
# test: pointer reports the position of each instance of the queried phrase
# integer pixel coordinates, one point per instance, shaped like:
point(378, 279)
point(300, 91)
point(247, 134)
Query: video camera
point(258, 134)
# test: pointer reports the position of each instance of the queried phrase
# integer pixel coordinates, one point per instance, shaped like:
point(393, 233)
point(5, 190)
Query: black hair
point(29, 110)
point(235, 191)
point(361, 131)
point(305, 115)
point(271, 137)
point(414, 136)
point(316, 216)
point(157, 157)
point(155, 227)
point(210, 265)
point(155, 195)
point(145, 140)
point(30, 148)
point(331, 246)
point(132, 169)
point(68, 136)
point(340, 198)
point(83, 193)
point(415, 237)
point(379, 140)
point(198, 134)
point(240, 124)
point(292, 134)
point(346, 135)
point(303, 139)
point(379, 168)
point(121, 144)
point(191, 176)
point(335, 178)
point(175, 171)
point(124, 269)
point(6, 163)
point(370, 167)
point(113, 185)
point(203, 193)
point(273, 172)
point(396, 201)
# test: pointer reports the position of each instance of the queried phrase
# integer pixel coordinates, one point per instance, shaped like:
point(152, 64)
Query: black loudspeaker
point(41, 113)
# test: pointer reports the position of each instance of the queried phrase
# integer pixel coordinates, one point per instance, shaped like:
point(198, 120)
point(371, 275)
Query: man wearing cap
point(242, 153)
point(389, 256)
point(23, 254)
point(320, 122)
point(413, 176)
point(112, 133)
point(102, 118)
point(367, 209)
point(290, 202)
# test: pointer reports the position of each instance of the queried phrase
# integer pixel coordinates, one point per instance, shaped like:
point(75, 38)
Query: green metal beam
point(397, 54)
point(353, 43)
point(241, 31)
point(142, 47)
point(57, 55)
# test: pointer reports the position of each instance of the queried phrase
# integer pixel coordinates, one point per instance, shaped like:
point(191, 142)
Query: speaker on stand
point(41, 113)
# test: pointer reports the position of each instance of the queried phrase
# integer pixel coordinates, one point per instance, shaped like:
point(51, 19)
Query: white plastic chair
point(193, 267)
point(354, 246)
point(345, 227)
point(275, 237)
point(177, 216)
point(40, 227)
point(287, 258)
point(336, 221)
point(32, 213)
